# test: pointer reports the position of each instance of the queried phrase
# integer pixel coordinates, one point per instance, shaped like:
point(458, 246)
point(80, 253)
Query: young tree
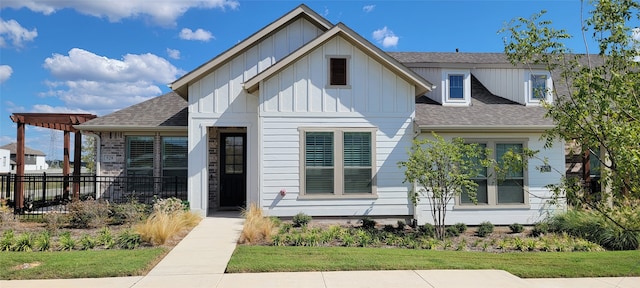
point(442, 170)
point(597, 101)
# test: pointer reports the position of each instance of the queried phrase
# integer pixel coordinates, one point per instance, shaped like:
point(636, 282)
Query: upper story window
point(456, 86)
point(538, 87)
point(338, 71)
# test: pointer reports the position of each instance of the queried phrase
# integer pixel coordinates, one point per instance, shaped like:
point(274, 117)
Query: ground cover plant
point(48, 247)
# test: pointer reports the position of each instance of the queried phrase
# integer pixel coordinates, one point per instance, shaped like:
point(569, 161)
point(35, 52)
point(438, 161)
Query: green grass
point(523, 264)
point(79, 264)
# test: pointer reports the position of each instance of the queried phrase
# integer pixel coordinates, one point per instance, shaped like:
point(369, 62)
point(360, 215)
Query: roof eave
point(484, 128)
point(119, 128)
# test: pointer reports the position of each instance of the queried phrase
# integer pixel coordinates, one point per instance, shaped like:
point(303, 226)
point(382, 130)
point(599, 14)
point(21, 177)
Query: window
point(174, 163)
point(538, 87)
point(338, 162)
point(456, 86)
point(493, 191)
point(338, 71)
point(139, 156)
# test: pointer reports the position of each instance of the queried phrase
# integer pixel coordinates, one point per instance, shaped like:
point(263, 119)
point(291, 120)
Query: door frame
point(221, 133)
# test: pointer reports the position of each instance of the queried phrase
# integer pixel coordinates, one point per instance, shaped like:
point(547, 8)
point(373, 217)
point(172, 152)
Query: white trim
point(446, 99)
point(528, 87)
point(347, 68)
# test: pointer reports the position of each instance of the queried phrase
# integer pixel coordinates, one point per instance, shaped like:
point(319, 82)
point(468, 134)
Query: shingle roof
point(168, 110)
point(445, 57)
point(486, 110)
point(13, 147)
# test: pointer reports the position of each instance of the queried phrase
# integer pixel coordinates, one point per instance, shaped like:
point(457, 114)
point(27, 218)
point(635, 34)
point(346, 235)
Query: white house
point(34, 159)
point(308, 116)
point(5, 161)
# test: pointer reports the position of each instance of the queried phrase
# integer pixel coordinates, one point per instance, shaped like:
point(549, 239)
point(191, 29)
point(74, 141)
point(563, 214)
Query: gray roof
point(445, 57)
point(13, 147)
point(486, 110)
point(168, 110)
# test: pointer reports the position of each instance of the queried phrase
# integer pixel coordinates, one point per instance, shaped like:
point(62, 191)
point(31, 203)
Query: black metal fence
point(51, 192)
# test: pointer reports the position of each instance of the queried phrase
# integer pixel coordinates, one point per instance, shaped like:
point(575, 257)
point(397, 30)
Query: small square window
point(538, 87)
point(456, 86)
point(338, 71)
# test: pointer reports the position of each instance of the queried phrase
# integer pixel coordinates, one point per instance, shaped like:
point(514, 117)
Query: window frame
point(450, 87)
point(347, 72)
point(529, 90)
point(164, 168)
point(338, 164)
point(492, 181)
point(446, 87)
point(129, 170)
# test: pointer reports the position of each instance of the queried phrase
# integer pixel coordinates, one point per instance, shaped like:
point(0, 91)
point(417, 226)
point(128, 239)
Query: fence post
point(44, 187)
point(175, 186)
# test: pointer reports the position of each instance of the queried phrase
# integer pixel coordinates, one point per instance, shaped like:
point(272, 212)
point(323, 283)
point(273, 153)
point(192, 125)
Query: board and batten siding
point(503, 82)
point(219, 99)
point(433, 75)
point(538, 196)
point(298, 97)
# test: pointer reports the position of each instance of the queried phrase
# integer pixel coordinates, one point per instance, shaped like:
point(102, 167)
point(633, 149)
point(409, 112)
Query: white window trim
point(528, 87)
point(492, 185)
point(328, 61)
point(466, 99)
point(338, 192)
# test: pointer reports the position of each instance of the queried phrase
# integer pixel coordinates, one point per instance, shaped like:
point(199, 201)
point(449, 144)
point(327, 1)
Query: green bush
point(43, 241)
point(401, 225)
point(87, 242)
point(540, 229)
point(598, 228)
point(128, 239)
point(368, 223)
point(484, 229)
point(23, 243)
point(105, 238)
point(461, 227)
point(128, 213)
point(7, 240)
point(301, 220)
point(67, 243)
point(452, 231)
point(88, 214)
point(516, 228)
point(427, 230)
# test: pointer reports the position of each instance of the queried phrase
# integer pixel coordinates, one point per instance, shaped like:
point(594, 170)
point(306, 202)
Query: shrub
point(301, 220)
point(170, 205)
point(128, 239)
point(401, 225)
point(540, 229)
point(88, 214)
point(516, 228)
point(105, 238)
point(54, 220)
point(427, 230)
point(23, 243)
point(368, 223)
point(160, 227)
point(484, 229)
point(461, 227)
point(452, 231)
point(599, 229)
point(7, 240)
point(128, 213)
point(87, 242)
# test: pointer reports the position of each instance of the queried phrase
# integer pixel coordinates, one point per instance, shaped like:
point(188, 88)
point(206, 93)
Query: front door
point(233, 180)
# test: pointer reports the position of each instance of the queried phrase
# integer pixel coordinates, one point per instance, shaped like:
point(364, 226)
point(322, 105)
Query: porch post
point(19, 192)
point(77, 160)
point(65, 165)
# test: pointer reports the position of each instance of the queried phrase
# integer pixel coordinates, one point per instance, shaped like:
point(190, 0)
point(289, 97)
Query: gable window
point(456, 86)
point(493, 191)
point(139, 156)
point(338, 71)
point(538, 86)
point(338, 162)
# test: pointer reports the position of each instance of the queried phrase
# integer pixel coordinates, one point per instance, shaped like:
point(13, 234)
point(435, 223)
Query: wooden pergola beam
point(57, 121)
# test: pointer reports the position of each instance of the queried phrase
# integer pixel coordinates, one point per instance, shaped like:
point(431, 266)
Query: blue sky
point(98, 56)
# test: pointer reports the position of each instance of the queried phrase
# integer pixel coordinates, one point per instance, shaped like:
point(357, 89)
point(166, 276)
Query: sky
point(99, 56)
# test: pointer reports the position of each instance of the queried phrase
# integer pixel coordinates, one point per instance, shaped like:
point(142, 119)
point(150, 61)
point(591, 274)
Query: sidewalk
point(200, 259)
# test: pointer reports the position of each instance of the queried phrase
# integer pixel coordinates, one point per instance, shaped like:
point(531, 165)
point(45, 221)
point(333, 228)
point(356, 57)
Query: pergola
point(58, 121)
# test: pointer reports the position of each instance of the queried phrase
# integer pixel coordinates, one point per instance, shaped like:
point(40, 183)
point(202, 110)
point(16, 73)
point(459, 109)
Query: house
point(308, 116)
point(5, 161)
point(34, 159)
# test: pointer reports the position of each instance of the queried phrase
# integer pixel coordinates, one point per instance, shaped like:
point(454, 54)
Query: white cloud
point(163, 12)
point(12, 31)
point(5, 73)
point(44, 108)
point(200, 34)
point(89, 82)
point(386, 37)
point(368, 8)
point(173, 53)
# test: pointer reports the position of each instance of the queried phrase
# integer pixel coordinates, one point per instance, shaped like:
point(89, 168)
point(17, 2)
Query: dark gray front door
point(233, 180)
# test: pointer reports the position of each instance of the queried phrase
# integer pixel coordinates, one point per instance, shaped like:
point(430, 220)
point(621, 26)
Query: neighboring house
point(308, 116)
point(34, 159)
point(5, 161)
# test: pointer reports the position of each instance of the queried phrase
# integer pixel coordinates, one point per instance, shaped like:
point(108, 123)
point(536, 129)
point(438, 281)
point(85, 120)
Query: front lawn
point(79, 264)
point(522, 264)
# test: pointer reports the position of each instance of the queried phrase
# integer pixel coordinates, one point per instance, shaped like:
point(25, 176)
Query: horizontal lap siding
point(539, 196)
point(281, 160)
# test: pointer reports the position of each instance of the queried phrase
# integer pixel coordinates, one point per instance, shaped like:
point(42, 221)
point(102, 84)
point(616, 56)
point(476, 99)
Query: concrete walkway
point(200, 259)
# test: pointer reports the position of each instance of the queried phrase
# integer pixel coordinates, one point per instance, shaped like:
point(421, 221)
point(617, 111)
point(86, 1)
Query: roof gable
point(340, 30)
point(13, 147)
point(181, 85)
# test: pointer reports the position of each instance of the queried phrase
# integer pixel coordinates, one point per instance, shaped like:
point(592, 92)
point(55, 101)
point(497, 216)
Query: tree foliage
point(89, 153)
point(597, 96)
point(442, 170)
